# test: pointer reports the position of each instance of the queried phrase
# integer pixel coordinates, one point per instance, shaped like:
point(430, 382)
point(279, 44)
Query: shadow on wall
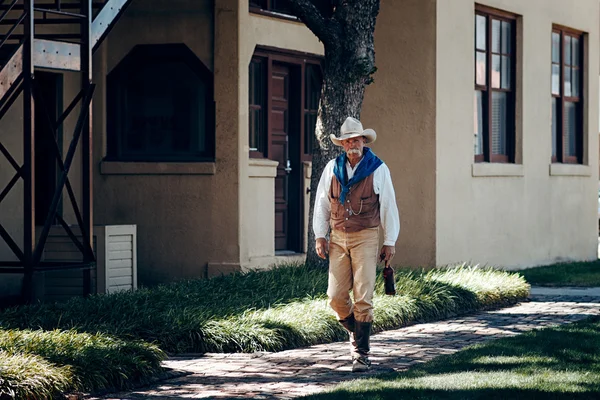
point(10, 289)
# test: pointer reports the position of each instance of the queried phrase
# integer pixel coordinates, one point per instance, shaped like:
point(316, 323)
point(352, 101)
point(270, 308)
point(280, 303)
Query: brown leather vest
point(361, 209)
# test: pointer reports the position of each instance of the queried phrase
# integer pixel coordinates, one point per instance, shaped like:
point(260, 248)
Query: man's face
point(354, 147)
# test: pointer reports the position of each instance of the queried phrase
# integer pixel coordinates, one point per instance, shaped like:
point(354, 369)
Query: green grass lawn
point(552, 363)
point(565, 274)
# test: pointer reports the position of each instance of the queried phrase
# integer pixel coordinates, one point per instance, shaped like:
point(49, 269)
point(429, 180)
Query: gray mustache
point(354, 151)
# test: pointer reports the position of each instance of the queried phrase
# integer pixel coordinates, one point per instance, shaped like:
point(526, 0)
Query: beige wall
point(259, 213)
point(400, 105)
point(527, 215)
point(185, 219)
point(257, 244)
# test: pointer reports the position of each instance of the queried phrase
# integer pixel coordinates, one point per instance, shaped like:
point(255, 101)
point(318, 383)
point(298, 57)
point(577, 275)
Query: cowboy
point(355, 195)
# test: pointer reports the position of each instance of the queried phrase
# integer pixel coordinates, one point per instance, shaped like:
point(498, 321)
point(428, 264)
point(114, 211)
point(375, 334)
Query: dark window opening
point(311, 105)
point(160, 106)
point(257, 112)
point(48, 106)
point(278, 6)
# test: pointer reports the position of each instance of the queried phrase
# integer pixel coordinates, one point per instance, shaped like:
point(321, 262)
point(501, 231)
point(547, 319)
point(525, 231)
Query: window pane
point(506, 37)
point(554, 125)
point(480, 32)
point(310, 122)
point(478, 137)
point(167, 117)
point(312, 97)
point(480, 64)
point(506, 72)
point(313, 87)
point(575, 58)
point(567, 50)
point(251, 79)
point(495, 71)
point(499, 122)
point(556, 79)
point(570, 126)
point(251, 132)
point(568, 81)
point(575, 82)
point(555, 47)
point(495, 36)
point(282, 6)
point(161, 106)
point(255, 130)
point(256, 101)
point(256, 84)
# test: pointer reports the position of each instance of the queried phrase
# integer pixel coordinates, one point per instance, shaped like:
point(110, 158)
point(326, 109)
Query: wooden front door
point(285, 148)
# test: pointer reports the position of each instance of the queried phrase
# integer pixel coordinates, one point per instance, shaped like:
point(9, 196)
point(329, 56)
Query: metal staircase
point(60, 35)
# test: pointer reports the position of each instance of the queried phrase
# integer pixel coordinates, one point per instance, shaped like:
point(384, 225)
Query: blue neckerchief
point(367, 166)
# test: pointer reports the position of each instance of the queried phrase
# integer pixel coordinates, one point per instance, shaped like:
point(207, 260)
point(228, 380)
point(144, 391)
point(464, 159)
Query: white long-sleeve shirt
point(382, 185)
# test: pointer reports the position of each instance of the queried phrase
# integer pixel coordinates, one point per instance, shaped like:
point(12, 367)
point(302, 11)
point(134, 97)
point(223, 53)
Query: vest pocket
point(365, 206)
point(337, 209)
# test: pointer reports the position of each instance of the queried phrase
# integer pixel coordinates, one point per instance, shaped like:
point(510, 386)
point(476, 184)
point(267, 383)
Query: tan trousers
point(352, 263)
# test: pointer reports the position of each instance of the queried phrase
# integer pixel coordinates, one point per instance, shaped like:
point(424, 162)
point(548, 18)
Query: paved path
point(293, 373)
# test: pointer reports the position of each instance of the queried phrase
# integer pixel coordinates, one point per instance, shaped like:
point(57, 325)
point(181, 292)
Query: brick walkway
point(293, 373)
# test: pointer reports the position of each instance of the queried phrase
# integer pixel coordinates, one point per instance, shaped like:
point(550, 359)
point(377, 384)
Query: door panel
point(279, 116)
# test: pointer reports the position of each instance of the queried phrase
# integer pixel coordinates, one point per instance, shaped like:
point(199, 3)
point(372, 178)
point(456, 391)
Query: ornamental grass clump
point(421, 297)
point(279, 309)
point(27, 376)
point(93, 361)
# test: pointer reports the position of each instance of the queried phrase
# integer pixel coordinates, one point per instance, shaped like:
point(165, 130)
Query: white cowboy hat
point(352, 128)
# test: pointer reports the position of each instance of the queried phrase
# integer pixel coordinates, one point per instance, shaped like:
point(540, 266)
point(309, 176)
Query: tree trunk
point(340, 98)
point(349, 64)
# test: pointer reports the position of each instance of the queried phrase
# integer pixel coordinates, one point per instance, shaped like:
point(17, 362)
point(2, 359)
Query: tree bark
point(346, 29)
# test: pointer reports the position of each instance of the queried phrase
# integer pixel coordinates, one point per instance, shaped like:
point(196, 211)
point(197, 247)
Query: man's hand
point(322, 247)
point(387, 253)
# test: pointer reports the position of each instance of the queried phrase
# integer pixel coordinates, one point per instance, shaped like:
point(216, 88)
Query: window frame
point(309, 144)
point(560, 156)
point(488, 90)
point(261, 150)
point(299, 61)
point(116, 95)
point(265, 7)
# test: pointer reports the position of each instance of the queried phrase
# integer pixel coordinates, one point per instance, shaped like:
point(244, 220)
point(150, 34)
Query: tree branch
point(324, 28)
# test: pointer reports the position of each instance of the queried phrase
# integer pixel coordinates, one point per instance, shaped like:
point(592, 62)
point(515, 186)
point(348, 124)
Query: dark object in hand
point(389, 280)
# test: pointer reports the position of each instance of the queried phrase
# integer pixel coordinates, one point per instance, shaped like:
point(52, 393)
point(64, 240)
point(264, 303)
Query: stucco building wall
point(401, 105)
point(534, 212)
point(175, 205)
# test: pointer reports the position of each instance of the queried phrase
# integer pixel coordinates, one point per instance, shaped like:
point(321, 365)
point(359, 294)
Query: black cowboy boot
point(360, 359)
point(350, 324)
